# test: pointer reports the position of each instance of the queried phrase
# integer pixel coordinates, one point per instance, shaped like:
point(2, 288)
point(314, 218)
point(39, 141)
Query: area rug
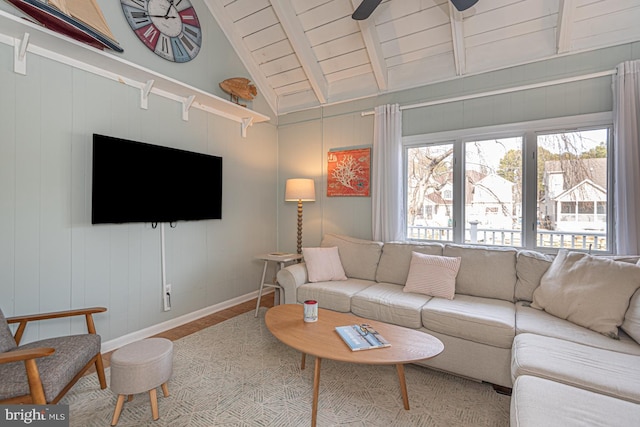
point(237, 374)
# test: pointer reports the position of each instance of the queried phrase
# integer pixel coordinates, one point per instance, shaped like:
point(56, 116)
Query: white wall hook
point(144, 94)
point(246, 122)
point(186, 105)
point(20, 54)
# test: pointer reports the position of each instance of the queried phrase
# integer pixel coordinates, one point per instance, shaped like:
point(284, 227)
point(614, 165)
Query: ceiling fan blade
point(462, 5)
point(365, 9)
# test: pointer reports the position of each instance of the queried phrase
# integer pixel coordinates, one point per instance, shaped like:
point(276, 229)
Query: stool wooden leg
point(130, 398)
point(165, 390)
point(116, 412)
point(153, 397)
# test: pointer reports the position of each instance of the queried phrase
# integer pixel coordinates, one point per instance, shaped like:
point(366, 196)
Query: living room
point(53, 258)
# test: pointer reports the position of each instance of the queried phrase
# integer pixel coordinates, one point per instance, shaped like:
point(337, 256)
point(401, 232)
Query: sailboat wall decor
point(79, 19)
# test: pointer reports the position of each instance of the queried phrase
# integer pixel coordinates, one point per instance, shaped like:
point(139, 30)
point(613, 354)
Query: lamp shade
point(300, 189)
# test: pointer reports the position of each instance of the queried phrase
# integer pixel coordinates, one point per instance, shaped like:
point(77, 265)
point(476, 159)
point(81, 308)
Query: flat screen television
point(139, 182)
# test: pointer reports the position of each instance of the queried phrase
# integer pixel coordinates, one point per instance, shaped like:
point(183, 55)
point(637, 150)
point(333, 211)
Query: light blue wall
point(343, 125)
point(52, 258)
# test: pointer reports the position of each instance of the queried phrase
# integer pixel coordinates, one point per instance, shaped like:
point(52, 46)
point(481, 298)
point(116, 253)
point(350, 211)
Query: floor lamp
point(300, 190)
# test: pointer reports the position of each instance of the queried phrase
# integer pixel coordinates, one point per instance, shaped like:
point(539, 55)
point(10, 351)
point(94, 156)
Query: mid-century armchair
point(42, 372)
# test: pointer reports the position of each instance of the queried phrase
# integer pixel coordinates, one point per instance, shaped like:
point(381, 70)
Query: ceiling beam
point(457, 39)
point(374, 49)
point(300, 43)
point(226, 24)
point(566, 11)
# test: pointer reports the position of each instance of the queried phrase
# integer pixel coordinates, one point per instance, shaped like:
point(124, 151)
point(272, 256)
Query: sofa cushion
point(432, 275)
point(483, 320)
point(631, 324)
point(538, 402)
point(359, 257)
point(333, 295)
point(484, 271)
point(396, 257)
point(603, 371)
point(323, 264)
point(589, 291)
point(530, 267)
point(387, 302)
point(539, 322)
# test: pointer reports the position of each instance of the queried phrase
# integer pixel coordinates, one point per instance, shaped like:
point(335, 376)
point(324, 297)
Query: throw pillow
point(432, 275)
point(592, 292)
point(323, 264)
point(631, 324)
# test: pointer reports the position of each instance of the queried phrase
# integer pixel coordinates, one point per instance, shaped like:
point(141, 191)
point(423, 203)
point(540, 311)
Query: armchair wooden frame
point(29, 356)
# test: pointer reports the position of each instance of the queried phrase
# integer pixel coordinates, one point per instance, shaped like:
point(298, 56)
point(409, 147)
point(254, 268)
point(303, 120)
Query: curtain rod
point(503, 91)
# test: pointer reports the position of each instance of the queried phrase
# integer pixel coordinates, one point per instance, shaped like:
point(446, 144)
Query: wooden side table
point(281, 259)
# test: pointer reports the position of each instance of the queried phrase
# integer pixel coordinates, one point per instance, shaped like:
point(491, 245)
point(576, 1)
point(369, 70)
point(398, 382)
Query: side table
point(280, 259)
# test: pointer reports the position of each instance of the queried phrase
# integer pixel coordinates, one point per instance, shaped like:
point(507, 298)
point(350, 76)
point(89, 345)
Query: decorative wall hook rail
point(26, 37)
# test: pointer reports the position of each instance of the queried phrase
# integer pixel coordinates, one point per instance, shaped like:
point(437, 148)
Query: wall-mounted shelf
point(29, 38)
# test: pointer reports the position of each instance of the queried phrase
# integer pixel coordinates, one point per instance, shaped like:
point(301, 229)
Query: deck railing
point(596, 241)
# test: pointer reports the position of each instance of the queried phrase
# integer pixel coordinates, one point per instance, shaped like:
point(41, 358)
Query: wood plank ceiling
point(306, 53)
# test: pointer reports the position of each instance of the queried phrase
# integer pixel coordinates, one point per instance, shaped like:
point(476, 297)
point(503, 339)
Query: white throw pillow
point(323, 264)
point(592, 292)
point(432, 275)
point(631, 324)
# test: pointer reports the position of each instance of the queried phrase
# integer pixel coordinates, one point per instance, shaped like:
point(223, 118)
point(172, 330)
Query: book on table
point(361, 337)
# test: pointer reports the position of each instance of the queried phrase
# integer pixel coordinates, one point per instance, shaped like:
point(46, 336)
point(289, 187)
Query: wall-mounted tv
point(139, 182)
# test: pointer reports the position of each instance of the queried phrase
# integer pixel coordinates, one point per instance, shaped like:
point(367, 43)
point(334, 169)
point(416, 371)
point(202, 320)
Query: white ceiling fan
point(367, 7)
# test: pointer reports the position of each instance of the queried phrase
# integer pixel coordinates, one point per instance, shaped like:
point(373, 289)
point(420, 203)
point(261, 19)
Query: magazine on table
point(361, 337)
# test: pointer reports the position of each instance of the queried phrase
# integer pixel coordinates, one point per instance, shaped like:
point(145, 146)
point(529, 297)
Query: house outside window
point(536, 188)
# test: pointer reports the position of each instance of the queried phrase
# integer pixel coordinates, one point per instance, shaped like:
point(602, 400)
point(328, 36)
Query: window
point(429, 190)
point(533, 188)
point(493, 188)
point(572, 180)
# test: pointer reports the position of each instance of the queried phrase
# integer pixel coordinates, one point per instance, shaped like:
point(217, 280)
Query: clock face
point(170, 28)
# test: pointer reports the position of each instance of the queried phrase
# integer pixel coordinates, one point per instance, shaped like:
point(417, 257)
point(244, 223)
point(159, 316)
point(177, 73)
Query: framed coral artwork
point(349, 172)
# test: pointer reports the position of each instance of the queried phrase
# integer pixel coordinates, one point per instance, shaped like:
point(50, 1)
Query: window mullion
point(529, 191)
point(458, 191)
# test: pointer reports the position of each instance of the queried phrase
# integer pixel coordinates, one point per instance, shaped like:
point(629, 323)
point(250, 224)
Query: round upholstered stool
point(140, 367)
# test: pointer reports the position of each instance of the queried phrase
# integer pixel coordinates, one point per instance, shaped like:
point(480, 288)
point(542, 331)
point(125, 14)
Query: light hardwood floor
point(204, 322)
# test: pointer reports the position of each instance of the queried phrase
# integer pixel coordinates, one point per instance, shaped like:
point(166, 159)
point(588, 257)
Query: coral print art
point(348, 172)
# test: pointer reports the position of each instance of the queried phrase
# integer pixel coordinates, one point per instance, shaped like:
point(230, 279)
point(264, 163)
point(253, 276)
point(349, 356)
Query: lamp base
point(299, 226)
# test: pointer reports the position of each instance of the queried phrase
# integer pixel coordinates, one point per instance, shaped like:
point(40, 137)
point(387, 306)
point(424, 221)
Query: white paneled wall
point(52, 258)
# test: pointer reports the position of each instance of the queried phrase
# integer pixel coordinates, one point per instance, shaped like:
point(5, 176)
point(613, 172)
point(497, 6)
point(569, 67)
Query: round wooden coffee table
point(320, 339)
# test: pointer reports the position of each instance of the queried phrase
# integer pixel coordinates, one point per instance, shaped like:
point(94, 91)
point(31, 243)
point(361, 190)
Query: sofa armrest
point(289, 278)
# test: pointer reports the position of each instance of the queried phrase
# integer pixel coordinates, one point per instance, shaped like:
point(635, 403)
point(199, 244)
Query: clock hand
point(161, 16)
point(168, 9)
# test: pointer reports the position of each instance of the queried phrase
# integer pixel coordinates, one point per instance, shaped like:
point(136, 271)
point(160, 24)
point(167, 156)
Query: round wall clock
point(169, 28)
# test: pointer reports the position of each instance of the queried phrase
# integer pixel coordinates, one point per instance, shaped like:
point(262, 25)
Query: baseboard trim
point(115, 343)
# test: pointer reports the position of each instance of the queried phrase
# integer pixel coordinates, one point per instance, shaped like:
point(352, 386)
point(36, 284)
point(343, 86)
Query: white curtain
point(626, 122)
point(386, 175)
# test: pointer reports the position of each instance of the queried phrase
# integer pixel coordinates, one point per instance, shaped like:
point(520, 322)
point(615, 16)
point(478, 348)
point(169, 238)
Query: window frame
point(529, 132)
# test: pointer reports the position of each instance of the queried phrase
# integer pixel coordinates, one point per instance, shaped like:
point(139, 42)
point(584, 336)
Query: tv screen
point(138, 182)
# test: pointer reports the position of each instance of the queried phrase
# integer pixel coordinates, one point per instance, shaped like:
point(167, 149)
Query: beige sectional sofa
point(489, 329)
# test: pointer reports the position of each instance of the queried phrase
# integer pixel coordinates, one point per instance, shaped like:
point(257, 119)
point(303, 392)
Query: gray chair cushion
point(56, 371)
point(6, 337)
